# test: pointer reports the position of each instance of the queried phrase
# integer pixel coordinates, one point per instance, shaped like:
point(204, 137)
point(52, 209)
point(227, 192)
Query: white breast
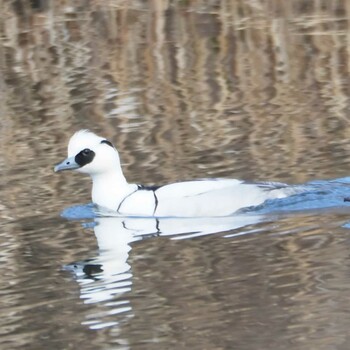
point(141, 203)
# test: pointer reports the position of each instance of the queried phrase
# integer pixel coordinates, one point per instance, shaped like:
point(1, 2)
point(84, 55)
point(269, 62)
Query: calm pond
point(254, 90)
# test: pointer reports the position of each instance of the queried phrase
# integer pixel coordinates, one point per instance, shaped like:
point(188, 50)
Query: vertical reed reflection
point(264, 79)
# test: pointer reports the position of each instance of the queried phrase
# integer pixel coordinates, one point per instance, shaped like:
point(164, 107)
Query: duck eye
point(84, 157)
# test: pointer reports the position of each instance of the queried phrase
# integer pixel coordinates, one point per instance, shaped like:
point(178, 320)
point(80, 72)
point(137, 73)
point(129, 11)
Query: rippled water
point(256, 90)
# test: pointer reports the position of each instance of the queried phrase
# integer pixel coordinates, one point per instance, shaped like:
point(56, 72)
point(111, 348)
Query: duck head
point(90, 154)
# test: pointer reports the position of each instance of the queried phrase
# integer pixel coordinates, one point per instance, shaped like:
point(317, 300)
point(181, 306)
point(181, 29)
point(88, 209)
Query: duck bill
point(67, 164)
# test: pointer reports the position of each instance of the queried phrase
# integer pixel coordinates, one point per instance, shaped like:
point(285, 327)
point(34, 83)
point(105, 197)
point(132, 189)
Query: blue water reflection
point(318, 195)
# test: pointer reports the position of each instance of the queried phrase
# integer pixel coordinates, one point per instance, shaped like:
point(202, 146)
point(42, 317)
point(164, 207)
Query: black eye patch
point(109, 143)
point(84, 157)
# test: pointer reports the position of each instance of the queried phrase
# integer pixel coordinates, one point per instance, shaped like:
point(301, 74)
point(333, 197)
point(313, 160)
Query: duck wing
point(215, 197)
point(194, 188)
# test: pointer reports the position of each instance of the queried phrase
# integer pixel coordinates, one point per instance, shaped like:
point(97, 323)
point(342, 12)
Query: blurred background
point(250, 89)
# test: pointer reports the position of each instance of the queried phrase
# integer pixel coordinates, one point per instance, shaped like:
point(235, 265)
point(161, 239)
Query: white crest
point(83, 139)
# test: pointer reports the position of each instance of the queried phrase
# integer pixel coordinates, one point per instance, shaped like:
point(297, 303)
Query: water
point(256, 90)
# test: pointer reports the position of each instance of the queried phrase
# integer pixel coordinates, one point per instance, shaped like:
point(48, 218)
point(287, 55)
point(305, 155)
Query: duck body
point(212, 197)
point(96, 156)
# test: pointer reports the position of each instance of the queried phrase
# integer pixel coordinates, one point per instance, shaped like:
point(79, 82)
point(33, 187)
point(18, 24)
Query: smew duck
point(96, 156)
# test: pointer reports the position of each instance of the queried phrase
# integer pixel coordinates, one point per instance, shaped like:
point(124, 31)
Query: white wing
point(215, 197)
point(194, 188)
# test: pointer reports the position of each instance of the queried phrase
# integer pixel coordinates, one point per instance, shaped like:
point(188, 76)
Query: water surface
point(257, 90)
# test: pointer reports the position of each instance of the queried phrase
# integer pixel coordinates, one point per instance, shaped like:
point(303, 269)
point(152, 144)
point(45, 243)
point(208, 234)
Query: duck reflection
point(106, 279)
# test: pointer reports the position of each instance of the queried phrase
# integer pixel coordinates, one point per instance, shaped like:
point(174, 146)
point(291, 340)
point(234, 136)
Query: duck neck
point(109, 189)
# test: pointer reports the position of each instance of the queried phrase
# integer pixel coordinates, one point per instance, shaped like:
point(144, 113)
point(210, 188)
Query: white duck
point(96, 156)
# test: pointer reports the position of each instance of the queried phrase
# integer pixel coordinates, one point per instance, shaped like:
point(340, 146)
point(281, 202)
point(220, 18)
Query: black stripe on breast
point(155, 202)
point(121, 203)
point(149, 188)
point(143, 188)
